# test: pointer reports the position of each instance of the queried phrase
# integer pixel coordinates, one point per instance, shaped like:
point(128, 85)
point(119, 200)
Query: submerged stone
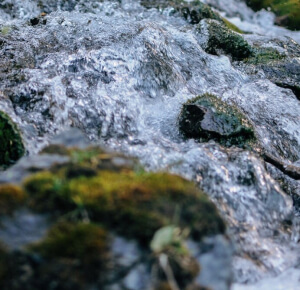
point(12, 147)
point(208, 118)
point(216, 38)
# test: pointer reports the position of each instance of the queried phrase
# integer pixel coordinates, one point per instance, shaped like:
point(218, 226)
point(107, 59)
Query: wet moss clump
point(288, 11)
point(133, 203)
point(12, 147)
point(220, 39)
point(11, 197)
point(206, 117)
point(94, 197)
point(78, 241)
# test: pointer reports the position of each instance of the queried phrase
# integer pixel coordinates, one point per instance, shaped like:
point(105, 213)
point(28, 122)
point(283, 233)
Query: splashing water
point(121, 73)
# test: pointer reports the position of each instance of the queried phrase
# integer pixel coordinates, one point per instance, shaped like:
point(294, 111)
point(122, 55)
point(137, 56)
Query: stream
point(121, 72)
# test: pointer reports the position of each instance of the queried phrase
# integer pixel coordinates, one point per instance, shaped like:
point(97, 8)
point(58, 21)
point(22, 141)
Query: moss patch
point(11, 197)
point(206, 117)
point(145, 201)
point(12, 147)
point(83, 241)
point(264, 56)
point(288, 11)
point(223, 40)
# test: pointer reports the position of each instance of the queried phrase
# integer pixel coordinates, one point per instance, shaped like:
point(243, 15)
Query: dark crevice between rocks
point(294, 89)
point(288, 169)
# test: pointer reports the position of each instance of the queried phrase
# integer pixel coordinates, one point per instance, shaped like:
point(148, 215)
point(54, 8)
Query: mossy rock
point(12, 147)
point(91, 199)
point(281, 69)
point(132, 204)
point(261, 56)
point(206, 117)
point(216, 38)
point(71, 256)
point(288, 11)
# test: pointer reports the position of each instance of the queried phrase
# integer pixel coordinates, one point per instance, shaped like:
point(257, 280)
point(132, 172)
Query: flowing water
point(121, 73)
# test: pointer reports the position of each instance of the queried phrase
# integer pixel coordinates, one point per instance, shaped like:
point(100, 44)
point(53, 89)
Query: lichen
point(207, 117)
point(12, 147)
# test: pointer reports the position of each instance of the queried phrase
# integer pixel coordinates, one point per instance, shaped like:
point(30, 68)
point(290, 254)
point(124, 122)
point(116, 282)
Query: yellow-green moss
point(85, 242)
point(134, 205)
point(11, 197)
point(231, 26)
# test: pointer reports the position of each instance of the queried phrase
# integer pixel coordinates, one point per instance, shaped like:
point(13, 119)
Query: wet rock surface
point(121, 72)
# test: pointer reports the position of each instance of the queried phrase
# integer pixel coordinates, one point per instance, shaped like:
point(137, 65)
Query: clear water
point(121, 73)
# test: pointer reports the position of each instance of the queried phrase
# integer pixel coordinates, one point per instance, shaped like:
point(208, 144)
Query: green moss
point(206, 117)
point(12, 147)
point(11, 197)
point(82, 241)
point(231, 26)
point(264, 56)
point(117, 199)
point(288, 11)
point(222, 39)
